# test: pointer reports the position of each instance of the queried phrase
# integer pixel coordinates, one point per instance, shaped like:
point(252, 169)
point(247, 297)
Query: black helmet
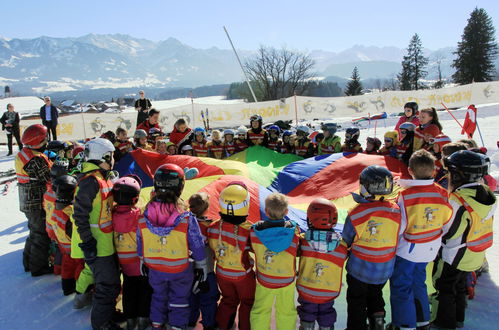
point(58, 169)
point(110, 136)
point(413, 105)
point(352, 134)
point(56, 146)
point(375, 142)
point(64, 187)
point(169, 182)
point(375, 180)
point(467, 166)
point(126, 190)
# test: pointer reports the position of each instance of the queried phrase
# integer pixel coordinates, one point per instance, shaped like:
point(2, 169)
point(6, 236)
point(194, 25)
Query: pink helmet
point(126, 190)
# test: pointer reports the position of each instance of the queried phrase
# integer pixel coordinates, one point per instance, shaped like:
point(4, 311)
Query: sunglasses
point(388, 140)
point(403, 131)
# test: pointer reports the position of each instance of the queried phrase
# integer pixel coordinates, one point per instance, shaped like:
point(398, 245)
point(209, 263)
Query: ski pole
point(457, 121)
point(479, 132)
point(207, 119)
point(204, 121)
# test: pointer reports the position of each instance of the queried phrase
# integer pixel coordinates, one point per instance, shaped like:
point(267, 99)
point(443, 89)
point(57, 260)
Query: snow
point(38, 302)
point(24, 105)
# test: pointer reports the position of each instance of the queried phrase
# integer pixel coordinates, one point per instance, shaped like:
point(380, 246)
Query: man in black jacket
point(142, 106)
point(10, 123)
point(49, 115)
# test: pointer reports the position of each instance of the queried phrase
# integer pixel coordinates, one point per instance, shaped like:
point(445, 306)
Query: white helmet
point(229, 132)
point(99, 149)
point(303, 128)
point(242, 130)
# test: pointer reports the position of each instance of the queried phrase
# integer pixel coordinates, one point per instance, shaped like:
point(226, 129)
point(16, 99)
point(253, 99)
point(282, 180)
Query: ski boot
point(377, 321)
point(110, 326)
point(131, 324)
point(158, 326)
point(307, 325)
point(143, 323)
point(82, 299)
point(326, 328)
point(391, 326)
point(423, 327)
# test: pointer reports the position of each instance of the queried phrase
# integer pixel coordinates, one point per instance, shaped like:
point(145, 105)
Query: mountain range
point(45, 64)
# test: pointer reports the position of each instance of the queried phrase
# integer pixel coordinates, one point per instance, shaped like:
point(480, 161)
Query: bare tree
point(278, 73)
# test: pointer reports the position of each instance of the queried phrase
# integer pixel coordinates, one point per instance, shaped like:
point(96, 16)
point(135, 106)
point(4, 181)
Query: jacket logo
point(222, 250)
point(428, 214)
point(372, 228)
point(319, 269)
point(162, 240)
point(120, 237)
point(268, 256)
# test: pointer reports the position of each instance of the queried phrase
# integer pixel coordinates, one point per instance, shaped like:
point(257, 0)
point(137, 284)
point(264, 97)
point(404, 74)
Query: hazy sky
point(305, 25)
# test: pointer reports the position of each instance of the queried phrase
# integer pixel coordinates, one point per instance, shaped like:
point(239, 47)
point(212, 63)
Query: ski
point(6, 187)
point(207, 119)
point(204, 120)
point(4, 181)
point(10, 172)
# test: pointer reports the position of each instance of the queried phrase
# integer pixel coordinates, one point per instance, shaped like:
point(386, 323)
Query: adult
point(151, 122)
point(49, 115)
point(93, 239)
point(142, 105)
point(181, 134)
point(33, 173)
point(410, 115)
point(10, 123)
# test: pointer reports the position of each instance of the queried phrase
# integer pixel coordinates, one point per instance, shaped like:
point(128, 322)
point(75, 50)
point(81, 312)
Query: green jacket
point(454, 249)
point(330, 145)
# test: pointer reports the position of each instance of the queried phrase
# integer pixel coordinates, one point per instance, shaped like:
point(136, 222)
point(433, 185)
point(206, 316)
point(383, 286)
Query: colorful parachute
point(264, 171)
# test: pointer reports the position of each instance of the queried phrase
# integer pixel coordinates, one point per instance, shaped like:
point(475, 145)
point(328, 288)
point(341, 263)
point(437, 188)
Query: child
point(287, 146)
point(332, 142)
point(351, 140)
point(122, 144)
point(410, 115)
point(215, 146)
point(161, 147)
point(371, 230)
point(274, 141)
point(199, 145)
point(372, 146)
point(187, 150)
point(140, 140)
point(429, 128)
point(181, 133)
point(64, 187)
point(303, 146)
point(437, 145)
point(206, 299)
point(321, 266)
point(442, 178)
point(235, 275)
point(229, 144)
point(469, 236)
point(256, 135)
point(171, 148)
point(405, 148)
point(136, 289)
point(154, 136)
point(167, 237)
point(241, 144)
point(391, 143)
point(425, 218)
point(275, 244)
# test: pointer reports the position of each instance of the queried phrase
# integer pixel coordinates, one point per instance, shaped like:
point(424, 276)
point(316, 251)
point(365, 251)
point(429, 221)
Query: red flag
point(470, 121)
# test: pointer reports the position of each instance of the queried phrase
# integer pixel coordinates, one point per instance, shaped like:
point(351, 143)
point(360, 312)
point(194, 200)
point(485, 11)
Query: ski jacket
point(125, 221)
point(33, 173)
point(329, 145)
point(200, 148)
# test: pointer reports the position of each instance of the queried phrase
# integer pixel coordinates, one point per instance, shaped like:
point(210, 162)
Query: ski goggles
point(403, 131)
point(388, 140)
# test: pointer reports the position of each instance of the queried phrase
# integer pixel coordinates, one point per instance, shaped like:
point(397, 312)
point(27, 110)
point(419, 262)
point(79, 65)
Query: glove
point(89, 251)
point(190, 173)
point(200, 277)
point(144, 271)
point(113, 176)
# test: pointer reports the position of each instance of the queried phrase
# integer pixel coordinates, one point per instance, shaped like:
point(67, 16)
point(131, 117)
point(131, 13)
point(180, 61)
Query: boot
point(326, 328)
point(82, 299)
point(110, 326)
point(118, 316)
point(459, 325)
point(68, 286)
point(307, 325)
point(158, 326)
point(43, 271)
point(391, 326)
point(423, 327)
point(143, 323)
point(131, 324)
point(377, 321)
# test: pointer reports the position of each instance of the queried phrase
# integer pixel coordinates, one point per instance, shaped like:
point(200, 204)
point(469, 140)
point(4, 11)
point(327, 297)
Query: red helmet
point(76, 151)
point(322, 214)
point(169, 178)
point(34, 136)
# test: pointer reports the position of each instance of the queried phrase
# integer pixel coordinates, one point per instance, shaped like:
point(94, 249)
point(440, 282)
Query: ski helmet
point(35, 136)
point(392, 136)
point(287, 133)
point(408, 126)
point(154, 132)
point(109, 135)
point(56, 146)
point(75, 154)
point(186, 148)
point(441, 140)
point(332, 128)
point(64, 187)
point(466, 166)
point(319, 136)
point(169, 180)
point(58, 169)
point(375, 142)
point(302, 130)
point(235, 199)
point(126, 190)
point(352, 134)
point(200, 131)
point(242, 130)
point(412, 105)
point(100, 150)
point(139, 134)
point(256, 118)
point(229, 132)
point(375, 180)
point(322, 214)
point(274, 128)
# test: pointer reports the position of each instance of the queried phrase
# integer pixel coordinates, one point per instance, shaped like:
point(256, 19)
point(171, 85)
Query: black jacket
point(54, 114)
point(15, 124)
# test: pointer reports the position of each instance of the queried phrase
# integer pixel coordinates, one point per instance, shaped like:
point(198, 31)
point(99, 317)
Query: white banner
point(87, 125)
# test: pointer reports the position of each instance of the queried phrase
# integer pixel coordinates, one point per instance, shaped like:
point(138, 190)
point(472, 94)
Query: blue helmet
point(274, 128)
point(330, 127)
point(199, 130)
point(287, 133)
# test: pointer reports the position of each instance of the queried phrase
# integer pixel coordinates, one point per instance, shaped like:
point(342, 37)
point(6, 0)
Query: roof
point(24, 105)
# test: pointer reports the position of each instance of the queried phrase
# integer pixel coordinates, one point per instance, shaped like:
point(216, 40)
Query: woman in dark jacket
point(10, 123)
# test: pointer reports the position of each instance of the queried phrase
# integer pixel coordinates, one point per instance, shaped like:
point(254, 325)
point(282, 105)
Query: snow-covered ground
point(38, 303)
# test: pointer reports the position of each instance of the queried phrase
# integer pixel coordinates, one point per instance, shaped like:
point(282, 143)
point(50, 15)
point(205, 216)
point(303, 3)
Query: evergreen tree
point(413, 66)
point(354, 86)
point(477, 50)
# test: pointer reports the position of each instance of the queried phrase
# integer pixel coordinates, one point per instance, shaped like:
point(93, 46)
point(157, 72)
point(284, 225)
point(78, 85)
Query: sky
point(303, 25)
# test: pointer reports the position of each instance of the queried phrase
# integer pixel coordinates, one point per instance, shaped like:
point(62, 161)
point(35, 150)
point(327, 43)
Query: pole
point(241, 65)
point(83, 121)
point(193, 114)
point(296, 109)
point(375, 126)
point(479, 132)
point(452, 116)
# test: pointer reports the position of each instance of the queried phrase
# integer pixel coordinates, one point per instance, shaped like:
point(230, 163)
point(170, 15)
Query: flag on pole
point(469, 126)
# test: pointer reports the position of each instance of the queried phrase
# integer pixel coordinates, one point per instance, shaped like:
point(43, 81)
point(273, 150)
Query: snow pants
point(170, 297)
point(449, 305)
point(236, 294)
point(409, 295)
point(285, 310)
point(324, 313)
point(136, 296)
point(364, 300)
point(85, 279)
point(70, 271)
point(206, 303)
point(37, 247)
point(107, 288)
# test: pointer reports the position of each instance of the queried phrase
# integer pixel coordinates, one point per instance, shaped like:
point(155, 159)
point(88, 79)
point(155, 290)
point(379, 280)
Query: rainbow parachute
point(264, 171)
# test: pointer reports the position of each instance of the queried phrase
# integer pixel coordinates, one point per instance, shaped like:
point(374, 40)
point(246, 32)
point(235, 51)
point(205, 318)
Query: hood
point(177, 137)
point(480, 198)
point(125, 218)
point(276, 239)
point(161, 218)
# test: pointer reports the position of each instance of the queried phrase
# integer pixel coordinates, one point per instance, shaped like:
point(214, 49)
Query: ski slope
point(38, 303)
